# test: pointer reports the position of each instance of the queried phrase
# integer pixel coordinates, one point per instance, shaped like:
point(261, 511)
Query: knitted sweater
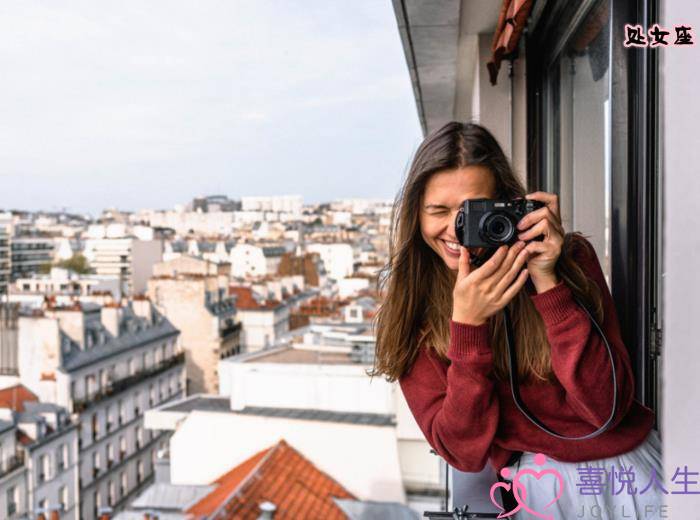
point(469, 417)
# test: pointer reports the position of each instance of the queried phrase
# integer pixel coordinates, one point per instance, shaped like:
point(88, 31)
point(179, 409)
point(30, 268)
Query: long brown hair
point(417, 285)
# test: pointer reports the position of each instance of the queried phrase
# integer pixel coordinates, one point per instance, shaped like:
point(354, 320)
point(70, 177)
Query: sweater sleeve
point(458, 415)
point(580, 360)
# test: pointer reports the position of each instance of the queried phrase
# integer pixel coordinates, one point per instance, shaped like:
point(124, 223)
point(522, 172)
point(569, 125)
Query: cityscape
point(180, 363)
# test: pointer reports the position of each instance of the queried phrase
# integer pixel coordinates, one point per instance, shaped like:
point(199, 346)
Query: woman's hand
point(543, 255)
point(481, 293)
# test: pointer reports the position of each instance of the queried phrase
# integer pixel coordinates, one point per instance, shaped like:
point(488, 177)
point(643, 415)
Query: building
point(29, 253)
point(192, 293)
point(5, 270)
point(254, 261)
point(106, 365)
point(129, 259)
point(609, 128)
point(338, 259)
point(251, 490)
point(39, 457)
point(215, 203)
point(263, 320)
point(315, 388)
point(63, 282)
point(277, 204)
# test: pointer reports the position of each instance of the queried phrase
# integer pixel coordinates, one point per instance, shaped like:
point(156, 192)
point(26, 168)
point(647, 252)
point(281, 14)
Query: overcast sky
point(145, 104)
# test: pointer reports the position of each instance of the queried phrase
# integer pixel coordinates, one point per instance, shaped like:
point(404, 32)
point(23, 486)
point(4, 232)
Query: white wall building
point(338, 259)
point(320, 400)
point(129, 259)
point(107, 365)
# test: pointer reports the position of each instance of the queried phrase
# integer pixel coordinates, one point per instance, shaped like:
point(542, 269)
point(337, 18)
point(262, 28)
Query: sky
point(135, 104)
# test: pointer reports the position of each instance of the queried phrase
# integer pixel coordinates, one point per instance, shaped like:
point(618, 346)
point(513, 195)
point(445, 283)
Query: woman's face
point(444, 193)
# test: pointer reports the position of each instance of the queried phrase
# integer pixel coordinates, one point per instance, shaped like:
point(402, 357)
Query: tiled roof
point(280, 475)
point(15, 396)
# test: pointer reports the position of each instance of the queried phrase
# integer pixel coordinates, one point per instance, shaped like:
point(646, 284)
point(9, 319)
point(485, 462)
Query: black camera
point(492, 223)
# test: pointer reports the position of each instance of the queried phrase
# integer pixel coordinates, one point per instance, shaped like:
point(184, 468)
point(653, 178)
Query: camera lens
point(498, 228)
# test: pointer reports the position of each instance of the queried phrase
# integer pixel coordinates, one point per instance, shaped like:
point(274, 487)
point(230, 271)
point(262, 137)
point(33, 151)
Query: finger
point(551, 200)
point(537, 215)
point(492, 264)
point(535, 247)
point(508, 262)
point(514, 288)
point(543, 227)
point(512, 273)
point(463, 267)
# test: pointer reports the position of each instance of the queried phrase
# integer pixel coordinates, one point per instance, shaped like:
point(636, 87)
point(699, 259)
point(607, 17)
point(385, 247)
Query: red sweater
point(468, 416)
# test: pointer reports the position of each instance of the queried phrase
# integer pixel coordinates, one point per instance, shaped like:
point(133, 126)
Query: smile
point(451, 248)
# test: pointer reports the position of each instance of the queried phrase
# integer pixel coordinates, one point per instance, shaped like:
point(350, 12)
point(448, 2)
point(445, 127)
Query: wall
point(681, 151)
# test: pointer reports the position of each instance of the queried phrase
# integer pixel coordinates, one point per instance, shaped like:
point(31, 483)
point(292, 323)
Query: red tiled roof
point(246, 301)
point(15, 396)
point(280, 475)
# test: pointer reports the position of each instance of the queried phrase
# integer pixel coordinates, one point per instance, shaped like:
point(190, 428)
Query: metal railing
point(115, 387)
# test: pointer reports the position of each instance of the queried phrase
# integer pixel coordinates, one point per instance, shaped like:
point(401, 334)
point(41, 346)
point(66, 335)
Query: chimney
point(41, 515)
point(54, 514)
point(142, 308)
point(110, 316)
point(267, 510)
point(104, 513)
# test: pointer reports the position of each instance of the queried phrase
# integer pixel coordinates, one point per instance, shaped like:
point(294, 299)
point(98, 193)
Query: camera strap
point(515, 390)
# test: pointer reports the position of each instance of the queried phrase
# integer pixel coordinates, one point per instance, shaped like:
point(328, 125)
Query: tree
point(77, 263)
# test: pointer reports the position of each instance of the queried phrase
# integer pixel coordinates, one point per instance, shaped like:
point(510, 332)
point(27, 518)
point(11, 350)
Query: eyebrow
point(436, 206)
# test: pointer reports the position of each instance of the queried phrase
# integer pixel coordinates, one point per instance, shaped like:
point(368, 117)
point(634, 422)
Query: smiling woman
point(440, 327)
point(444, 193)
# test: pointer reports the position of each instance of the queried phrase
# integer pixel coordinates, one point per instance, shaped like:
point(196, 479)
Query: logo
point(520, 492)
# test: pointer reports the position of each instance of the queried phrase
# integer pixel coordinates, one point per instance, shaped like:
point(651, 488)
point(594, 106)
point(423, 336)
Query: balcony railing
point(115, 387)
point(12, 463)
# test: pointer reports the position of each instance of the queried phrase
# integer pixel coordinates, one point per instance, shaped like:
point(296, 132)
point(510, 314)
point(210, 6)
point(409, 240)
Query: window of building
point(63, 498)
point(110, 454)
point(112, 498)
point(12, 500)
point(123, 483)
point(139, 471)
point(95, 464)
point(95, 427)
point(593, 140)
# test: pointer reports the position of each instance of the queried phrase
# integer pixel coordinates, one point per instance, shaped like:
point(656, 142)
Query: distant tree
point(45, 268)
point(77, 263)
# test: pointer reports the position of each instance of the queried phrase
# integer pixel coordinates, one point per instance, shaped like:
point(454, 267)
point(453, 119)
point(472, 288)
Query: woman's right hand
point(482, 292)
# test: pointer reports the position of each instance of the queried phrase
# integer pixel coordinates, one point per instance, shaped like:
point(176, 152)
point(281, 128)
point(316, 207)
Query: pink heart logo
point(538, 475)
point(505, 486)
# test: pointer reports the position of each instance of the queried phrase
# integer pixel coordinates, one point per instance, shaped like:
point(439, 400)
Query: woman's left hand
point(543, 254)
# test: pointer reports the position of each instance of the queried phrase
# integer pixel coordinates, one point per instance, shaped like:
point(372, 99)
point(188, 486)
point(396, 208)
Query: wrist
point(458, 317)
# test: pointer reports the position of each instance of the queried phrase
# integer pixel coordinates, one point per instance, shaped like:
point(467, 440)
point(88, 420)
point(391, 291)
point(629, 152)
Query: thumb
point(464, 267)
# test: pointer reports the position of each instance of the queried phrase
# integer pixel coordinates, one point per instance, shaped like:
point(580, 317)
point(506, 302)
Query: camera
point(492, 223)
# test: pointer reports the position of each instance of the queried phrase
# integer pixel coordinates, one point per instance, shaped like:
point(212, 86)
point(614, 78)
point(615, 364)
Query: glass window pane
point(583, 113)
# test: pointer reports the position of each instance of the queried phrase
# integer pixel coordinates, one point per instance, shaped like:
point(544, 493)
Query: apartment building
point(38, 457)
point(263, 320)
point(28, 253)
point(128, 258)
point(107, 365)
point(192, 294)
point(5, 270)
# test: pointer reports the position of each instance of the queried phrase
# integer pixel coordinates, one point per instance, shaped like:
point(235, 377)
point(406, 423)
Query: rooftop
point(15, 396)
point(301, 356)
point(280, 475)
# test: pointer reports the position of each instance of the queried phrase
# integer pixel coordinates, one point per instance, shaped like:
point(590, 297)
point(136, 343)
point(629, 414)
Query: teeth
point(452, 246)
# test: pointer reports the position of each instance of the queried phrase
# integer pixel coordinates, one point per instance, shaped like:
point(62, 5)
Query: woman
point(440, 334)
